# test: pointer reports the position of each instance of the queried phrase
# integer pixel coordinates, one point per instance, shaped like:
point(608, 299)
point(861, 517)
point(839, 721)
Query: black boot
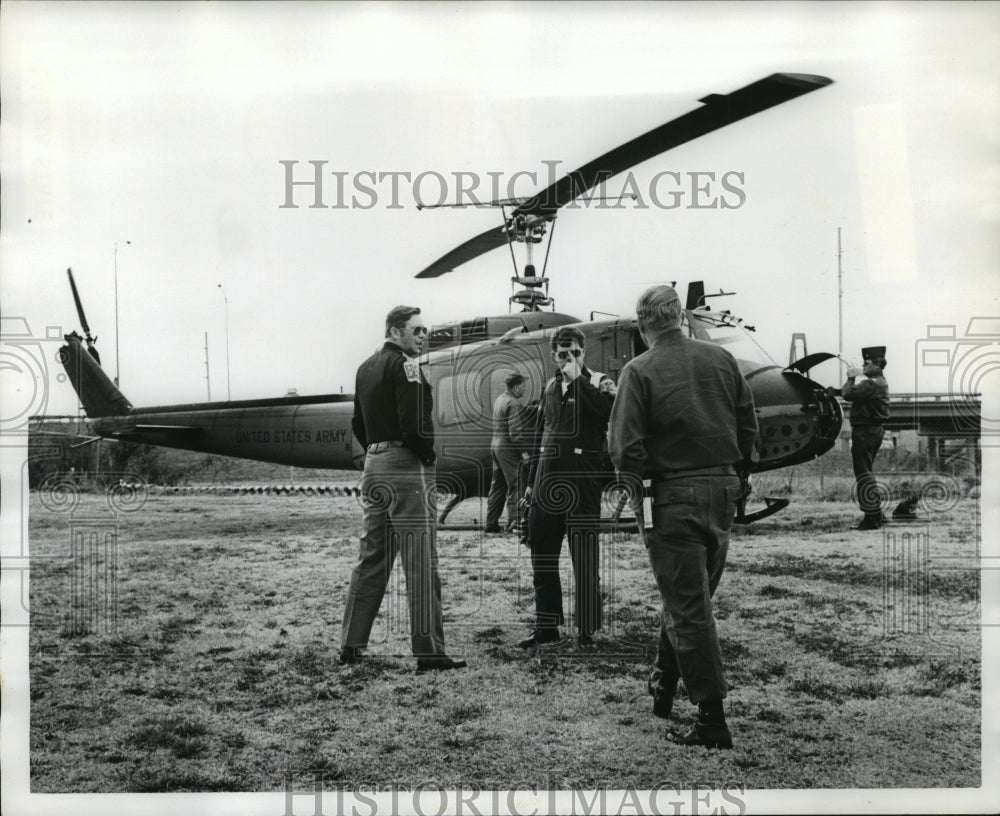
point(710, 729)
point(542, 634)
point(871, 521)
point(662, 688)
point(351, 654)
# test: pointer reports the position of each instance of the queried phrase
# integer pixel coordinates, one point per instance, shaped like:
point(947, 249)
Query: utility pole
point(229, 393)
point(117, 368)
point(208, 381)
point(840, 308)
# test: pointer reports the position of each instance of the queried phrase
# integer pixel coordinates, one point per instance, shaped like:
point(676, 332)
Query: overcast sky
point(165, 125)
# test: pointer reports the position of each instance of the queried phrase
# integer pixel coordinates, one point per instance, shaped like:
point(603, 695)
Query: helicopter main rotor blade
point(473, 248)
point(717, 111)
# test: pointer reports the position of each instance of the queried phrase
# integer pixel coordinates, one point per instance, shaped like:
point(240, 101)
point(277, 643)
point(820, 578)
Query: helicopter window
point(500, 325)
point(473, 330)
point(639, 345)
point(457, 399)
point(735, 340)
point(444, 335)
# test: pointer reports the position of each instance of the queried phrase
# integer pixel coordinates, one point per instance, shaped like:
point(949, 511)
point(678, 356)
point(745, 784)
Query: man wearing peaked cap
point(868, 393)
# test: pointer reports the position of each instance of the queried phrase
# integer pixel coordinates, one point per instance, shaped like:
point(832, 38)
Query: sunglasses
point(418, 330)
point(565, 354)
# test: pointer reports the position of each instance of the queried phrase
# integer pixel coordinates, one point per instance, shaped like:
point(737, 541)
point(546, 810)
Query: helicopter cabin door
point(617, 345)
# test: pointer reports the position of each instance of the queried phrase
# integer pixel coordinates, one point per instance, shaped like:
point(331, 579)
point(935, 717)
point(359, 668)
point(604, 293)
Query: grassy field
point(199, 654)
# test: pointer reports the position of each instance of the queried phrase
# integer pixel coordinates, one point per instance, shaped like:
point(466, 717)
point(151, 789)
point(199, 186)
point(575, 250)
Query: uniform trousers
point(865, 443)
point(687, 547)
point(397, 494)
point(505, 488)
point(566, 502)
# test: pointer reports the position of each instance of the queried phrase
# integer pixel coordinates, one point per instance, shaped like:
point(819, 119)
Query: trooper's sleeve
point(596, 402)
point(746, 419)
point(409, 387)
point(536, 437)
point(864, 389)
point(627, 430)
point(520, 424)
point(358, 423)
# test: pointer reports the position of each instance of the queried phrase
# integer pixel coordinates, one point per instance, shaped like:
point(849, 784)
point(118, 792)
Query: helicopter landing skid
point(771, 506)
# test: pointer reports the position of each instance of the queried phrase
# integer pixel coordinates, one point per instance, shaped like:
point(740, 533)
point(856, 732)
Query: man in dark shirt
point(684, 418)
point(392, 421)
point(564, 490)
point(506, 450)
point(868, 393)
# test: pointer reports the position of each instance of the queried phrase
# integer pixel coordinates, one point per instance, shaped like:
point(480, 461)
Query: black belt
point(715, 470)
point(378, 447)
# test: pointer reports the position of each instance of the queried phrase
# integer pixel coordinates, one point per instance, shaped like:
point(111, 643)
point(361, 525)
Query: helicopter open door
point(809, 361)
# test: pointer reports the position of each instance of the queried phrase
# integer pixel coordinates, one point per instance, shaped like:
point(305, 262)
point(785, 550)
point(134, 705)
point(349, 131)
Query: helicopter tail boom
point(99, 395)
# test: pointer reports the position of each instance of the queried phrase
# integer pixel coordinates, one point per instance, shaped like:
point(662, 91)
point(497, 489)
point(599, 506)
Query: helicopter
point(467, 361)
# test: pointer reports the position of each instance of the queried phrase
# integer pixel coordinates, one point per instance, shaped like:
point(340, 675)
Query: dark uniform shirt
point(392, 401)
point(869, 398)
point(681, 405)
point(576, 420)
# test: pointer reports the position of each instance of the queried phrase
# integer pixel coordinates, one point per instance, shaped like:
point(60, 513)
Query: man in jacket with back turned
point(684, 418)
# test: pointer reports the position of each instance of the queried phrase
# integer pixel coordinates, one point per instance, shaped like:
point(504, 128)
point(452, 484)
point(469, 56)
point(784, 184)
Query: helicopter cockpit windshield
point(723, 330)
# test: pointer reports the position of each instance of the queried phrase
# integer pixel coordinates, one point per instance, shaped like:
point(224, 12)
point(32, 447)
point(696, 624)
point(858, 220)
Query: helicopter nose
point(797, 419)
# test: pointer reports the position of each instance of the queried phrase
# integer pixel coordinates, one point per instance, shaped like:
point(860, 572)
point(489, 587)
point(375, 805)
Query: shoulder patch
point(412, 369)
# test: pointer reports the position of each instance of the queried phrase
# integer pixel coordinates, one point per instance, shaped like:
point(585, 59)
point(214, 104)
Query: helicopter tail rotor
point(91, 340)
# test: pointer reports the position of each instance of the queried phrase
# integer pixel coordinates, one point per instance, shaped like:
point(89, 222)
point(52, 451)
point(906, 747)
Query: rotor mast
point(529, 230)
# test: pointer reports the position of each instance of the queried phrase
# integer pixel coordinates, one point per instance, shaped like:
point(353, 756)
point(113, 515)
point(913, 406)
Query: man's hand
point(571, 368)
point(608, 387)
point(525, 456)
point(854, 372)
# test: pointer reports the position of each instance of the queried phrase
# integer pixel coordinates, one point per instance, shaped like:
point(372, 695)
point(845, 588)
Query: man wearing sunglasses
point(392, 421)
point(565, 489)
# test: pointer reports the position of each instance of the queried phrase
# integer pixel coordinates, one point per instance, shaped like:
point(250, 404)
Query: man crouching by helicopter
point(684, 416)
point(564, 492)
point(392, 421)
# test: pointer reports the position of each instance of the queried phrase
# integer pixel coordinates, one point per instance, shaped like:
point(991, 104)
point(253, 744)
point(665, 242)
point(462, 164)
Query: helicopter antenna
point(720, 293)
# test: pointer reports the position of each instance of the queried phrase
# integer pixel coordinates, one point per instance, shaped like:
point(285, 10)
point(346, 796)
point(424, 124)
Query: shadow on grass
point(960, 584)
